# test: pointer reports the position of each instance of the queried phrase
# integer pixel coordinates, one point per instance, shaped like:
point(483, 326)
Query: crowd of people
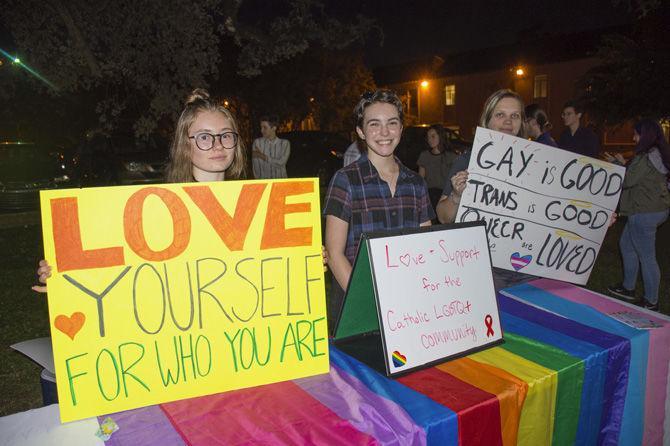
point(374, 191)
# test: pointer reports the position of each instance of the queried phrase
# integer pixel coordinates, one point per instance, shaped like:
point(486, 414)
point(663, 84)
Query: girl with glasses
point(206, 147)
point(206, 144)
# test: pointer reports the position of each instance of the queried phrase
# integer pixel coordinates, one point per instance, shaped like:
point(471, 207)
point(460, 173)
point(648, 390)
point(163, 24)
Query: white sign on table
point(435, 295)
point(546, 210)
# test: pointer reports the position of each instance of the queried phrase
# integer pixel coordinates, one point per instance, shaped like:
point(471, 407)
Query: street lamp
point(424, 85)
point(519, 71)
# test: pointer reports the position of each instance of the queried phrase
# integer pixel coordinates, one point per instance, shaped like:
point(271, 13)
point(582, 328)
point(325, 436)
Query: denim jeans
point(638, 247)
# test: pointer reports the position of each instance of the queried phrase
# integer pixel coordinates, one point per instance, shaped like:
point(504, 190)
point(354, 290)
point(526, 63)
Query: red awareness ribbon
point(488, 320)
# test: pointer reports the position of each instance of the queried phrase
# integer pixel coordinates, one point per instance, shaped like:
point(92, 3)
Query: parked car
point(26, 167)
point(315, 154)
point(413, 142)
point(121, 160)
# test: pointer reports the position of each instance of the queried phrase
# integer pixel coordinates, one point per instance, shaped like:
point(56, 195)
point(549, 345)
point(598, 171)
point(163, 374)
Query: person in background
point(645, 199)
point(376, 192)
point(435, 163)
point(538, 127)
point(503, 112)
point(352, 153)
point(270, 153)
point(575, 138)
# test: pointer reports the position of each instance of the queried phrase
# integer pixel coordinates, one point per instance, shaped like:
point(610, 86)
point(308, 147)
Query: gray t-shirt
point(435, 166)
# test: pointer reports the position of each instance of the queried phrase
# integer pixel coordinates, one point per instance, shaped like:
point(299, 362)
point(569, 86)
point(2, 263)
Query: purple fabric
point(368, 412)
point(147, 426)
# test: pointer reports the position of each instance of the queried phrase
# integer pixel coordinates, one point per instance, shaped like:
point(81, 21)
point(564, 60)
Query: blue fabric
point(595, 360)
point(633, 377)
point(638, 247)
point(439, 422)
point(618, 357)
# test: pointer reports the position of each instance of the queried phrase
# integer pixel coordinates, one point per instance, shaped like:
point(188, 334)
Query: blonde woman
point(503, 112)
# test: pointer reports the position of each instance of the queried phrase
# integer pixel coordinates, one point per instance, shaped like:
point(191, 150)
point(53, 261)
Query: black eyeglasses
point(205, 141)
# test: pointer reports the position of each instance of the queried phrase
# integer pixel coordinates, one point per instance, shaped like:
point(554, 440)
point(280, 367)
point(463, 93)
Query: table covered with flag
point(567, 373)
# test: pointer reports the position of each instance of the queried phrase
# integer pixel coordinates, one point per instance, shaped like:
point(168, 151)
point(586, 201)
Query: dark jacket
point(644, 187)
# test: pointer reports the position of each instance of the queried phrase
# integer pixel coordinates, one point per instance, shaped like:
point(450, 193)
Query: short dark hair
point(272, 120)
point(368, 98)
point(574, 104)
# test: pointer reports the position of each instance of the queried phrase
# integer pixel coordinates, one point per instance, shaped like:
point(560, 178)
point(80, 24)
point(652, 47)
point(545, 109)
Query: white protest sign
point(435, 295)
point(546, 210)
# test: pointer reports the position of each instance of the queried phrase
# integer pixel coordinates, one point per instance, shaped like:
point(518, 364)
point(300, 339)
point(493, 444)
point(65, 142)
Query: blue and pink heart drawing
point(518, 262)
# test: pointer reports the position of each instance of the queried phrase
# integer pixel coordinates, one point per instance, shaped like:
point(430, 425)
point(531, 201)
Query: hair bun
point(199, 94)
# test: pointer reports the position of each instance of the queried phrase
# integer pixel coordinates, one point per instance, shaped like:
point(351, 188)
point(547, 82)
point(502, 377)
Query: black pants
point(434, 194)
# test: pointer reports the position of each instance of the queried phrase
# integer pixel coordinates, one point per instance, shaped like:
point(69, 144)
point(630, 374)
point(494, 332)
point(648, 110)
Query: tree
point(322, 83)
point(133, 62)
point(632, 79)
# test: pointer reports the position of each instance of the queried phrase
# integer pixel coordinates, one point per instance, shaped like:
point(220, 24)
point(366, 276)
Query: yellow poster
point(165, 292)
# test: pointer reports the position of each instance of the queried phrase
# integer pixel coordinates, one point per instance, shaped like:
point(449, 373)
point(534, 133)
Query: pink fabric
point(241, 417)
point(658, 358)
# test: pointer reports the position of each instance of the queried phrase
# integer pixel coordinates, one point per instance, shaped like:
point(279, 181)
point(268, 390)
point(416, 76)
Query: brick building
point(452, 90)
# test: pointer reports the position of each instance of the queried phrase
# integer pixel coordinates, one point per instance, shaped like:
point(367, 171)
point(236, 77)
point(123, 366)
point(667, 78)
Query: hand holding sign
point(458, 183)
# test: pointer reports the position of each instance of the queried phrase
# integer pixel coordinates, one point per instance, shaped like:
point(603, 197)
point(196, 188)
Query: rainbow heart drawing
point(519, 262)
point(399, 359)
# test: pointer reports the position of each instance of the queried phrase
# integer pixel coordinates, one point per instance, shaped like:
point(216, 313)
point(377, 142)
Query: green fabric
point(570, 372)
point(359, 314)
point(644, 188)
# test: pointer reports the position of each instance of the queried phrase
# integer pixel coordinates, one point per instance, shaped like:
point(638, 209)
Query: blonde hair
point(180, 169)
point(490, 105)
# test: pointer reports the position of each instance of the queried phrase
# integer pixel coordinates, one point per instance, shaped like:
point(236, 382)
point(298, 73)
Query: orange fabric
point(510, 390)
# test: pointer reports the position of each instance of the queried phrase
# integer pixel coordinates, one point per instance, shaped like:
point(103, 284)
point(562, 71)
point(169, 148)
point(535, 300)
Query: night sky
point(416, 29)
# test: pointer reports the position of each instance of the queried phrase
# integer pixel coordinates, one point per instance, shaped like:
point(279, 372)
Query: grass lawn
point(24, 313)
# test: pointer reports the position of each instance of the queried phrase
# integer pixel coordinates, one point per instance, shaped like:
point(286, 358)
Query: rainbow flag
point(568, 373)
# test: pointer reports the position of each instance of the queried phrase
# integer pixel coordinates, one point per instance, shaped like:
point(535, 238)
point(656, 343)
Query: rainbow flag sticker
point(399, 359)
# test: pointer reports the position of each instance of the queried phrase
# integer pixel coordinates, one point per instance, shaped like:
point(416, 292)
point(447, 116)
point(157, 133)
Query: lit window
point(541, 86)
point(450, 94)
